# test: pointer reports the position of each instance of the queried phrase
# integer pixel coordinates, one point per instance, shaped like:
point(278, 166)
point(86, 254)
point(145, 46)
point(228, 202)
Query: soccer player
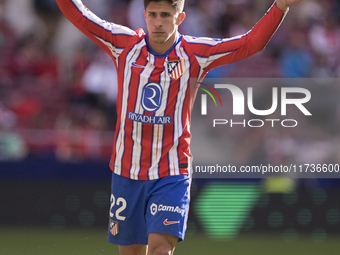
point(151, 159)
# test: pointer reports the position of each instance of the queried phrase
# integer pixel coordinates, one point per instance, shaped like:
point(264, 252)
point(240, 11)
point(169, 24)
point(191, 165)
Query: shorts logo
point(153, 209)
point(152, 97)
point(165, 208)
point(114, 227)
point(166, 222)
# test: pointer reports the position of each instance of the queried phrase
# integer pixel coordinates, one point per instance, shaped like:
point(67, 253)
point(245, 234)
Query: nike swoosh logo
point(166, 222)
point(135, 65)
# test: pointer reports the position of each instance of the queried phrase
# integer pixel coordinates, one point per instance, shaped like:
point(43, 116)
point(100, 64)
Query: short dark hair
point(178, 5)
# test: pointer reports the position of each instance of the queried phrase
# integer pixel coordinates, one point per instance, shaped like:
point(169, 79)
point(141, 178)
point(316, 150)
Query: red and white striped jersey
point(154, 95)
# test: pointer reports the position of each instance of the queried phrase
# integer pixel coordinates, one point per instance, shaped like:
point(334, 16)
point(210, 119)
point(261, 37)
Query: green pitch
point(28, 241)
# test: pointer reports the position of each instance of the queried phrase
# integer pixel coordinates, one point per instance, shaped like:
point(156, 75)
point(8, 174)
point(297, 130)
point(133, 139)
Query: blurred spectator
point(67, 39)
point(194, 22)
point(22, 17)
point(296, 59)
point(32, 59)
point(100, 81)
point(325, 41)
point(135, 15)
point(310, 12)
point(12, 146)
point(46, 6)
point(8, 40)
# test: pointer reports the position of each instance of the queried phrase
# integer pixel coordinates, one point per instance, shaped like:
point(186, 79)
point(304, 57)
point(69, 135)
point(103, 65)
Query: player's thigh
point(168, 207)
point(159, 244)
point(136, 249)
point(127, 224)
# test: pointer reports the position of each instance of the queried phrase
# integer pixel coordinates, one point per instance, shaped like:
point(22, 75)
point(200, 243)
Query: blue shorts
point(138, 208)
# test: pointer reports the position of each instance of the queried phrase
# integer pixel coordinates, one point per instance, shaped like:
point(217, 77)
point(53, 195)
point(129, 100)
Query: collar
point(178, 39)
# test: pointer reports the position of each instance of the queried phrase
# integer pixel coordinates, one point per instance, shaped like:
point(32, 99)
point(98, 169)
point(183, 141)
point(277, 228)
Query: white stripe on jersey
point(131, 57)
point(79, 5)
point(158, 132)
point(115, 51)
point(178, 127)
point(201, 60)
point(204, 62)
point(214, 57)
point(209, 41)
point(137, 126)
point(157, 143)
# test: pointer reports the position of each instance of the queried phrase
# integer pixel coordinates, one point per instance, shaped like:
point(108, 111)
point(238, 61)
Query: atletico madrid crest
point(114, 227)
point(175, 69)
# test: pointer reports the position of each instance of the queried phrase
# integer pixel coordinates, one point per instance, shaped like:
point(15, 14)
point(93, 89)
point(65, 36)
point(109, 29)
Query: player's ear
point(180, 18)
point(144, 14)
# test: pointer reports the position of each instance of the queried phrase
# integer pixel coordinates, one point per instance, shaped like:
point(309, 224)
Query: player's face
point(162, 22)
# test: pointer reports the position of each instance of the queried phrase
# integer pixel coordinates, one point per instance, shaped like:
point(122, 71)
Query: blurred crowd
point(58, 90)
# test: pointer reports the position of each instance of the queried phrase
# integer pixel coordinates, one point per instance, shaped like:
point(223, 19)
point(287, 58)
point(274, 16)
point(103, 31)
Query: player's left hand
point(284, 4)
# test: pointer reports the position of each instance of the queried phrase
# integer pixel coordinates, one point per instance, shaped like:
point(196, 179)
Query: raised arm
point(109, 36)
